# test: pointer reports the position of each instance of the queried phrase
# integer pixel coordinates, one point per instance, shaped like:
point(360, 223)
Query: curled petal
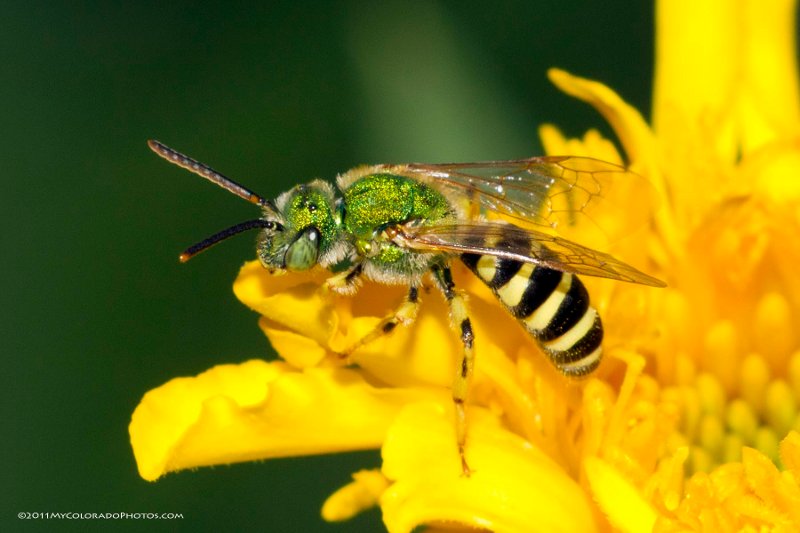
point(361, 494)
point(292, 302)
point(298, 350)
point(627, 122)
point(513, 486)
point(259, 410)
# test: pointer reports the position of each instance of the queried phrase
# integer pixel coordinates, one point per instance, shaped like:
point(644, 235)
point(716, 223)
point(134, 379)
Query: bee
point(395, 224)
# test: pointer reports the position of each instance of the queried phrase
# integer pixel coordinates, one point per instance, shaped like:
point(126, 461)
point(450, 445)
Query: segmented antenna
point(222, 235)
point(184, 161)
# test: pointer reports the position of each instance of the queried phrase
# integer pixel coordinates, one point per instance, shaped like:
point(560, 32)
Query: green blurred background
point(96, 308)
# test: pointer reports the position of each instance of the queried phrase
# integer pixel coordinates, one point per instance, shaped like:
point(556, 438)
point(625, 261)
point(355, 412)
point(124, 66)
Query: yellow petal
point(667, 483)
point(778, 494)
point(514, 486)
point(298, 350)
point(726, 75)
point(622, 503)
point(696, 73)
point(293, 301)
point(769, 106)
point(593, 144)
point(627, 122)
point(363, 493)
point(258, 410)
point(790, 454)
point(771, 171)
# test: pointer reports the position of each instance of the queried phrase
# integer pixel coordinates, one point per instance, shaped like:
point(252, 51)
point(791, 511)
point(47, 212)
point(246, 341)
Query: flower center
point(716, 425)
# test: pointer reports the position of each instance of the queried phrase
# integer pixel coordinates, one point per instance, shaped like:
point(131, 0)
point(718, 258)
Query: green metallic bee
point(394, 224)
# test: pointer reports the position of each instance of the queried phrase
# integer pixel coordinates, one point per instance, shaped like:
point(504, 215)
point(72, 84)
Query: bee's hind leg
point(405, 314)
point(462, 323)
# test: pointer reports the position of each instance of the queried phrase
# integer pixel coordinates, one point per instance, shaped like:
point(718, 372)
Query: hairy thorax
point(379, 203)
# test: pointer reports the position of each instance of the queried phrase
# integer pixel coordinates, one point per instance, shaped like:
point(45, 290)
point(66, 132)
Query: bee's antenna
point(222, 235)
point(208, 173)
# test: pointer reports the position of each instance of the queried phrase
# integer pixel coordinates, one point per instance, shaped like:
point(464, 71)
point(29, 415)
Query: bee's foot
point(466, 471)
point(343, 356)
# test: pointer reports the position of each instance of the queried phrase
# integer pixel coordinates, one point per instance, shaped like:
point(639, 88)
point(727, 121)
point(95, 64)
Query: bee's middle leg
point(462, 323)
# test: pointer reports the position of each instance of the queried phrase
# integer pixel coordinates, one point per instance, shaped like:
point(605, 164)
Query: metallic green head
point(306, 228)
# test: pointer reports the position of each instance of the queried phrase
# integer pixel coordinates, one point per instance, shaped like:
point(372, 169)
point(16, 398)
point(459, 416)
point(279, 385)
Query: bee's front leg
point(346, 282)
point(405, 314)
point(461, 322)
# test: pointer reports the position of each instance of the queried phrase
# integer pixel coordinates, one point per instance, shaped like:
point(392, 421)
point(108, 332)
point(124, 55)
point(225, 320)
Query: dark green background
point(97, 310)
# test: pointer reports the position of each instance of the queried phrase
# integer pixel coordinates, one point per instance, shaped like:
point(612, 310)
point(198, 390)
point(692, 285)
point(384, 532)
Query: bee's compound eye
point(303, 252)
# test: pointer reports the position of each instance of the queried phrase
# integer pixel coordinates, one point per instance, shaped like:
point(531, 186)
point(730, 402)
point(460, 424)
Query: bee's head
point(296, 229)
point(304, 227)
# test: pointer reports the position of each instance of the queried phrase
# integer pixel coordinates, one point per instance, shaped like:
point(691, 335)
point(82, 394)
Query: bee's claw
point(466, 471)
point(343, 356)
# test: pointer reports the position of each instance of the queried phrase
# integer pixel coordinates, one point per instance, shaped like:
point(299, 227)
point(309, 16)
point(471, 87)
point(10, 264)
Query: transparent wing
point(559, 192)
point(527, 245)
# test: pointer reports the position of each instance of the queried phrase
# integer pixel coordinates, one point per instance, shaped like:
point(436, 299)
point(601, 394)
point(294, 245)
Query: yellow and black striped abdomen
point(552, 306)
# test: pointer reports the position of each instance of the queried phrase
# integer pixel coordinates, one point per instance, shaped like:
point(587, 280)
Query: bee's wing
point(530, 246)
point(553, 191)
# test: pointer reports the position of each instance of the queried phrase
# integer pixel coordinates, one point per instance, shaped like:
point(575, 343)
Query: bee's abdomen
point(552, 306)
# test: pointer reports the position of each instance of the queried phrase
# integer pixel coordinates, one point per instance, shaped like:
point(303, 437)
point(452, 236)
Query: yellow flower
point(690, 424)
